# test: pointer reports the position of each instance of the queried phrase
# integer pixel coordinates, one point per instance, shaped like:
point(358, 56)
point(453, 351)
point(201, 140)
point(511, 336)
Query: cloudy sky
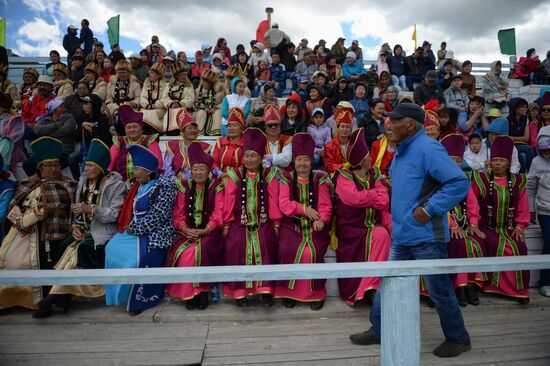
point(469, 26)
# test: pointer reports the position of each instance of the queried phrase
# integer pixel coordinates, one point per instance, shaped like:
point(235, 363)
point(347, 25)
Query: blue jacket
point(355, 68)
point(397, 65)
point(423, 173)
point(278, 72)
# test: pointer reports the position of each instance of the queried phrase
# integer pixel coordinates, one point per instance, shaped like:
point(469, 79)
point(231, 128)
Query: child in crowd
point(262, 75)
point(278, 74)
point(455, 96)
point(321, 133)
point(303, 89)
point(474, 156)
point(235, 99)
point(447, 121)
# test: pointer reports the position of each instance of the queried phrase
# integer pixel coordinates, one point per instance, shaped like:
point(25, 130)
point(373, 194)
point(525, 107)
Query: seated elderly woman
point(145, 232)
point(176, 158)
point(38, 221)
point(123, 89)
point(121, 160)
point(208, 103)
point(95, 82)
point(62, 86)
point(98, 201)
point(177, 95)
point(150, 99)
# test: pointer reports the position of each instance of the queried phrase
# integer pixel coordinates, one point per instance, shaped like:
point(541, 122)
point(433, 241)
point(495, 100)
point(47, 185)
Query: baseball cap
point(72, 27)
point(410, 110)
point(355, 42)
point(317, 110)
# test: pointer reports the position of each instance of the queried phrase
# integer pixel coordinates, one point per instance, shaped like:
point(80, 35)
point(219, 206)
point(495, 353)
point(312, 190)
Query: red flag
point(260, 32)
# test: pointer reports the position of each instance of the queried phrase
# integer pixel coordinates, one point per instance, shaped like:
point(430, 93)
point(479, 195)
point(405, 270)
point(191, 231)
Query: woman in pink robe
point(305, 201)
point(198, 220)
point(251, 218)
point(363, 220)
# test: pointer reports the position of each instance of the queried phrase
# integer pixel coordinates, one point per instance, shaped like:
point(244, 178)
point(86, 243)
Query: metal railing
point(399, 288)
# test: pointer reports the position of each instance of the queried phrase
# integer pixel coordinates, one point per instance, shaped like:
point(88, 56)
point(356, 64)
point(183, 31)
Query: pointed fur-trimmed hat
point(32, 72)
point(357, 147)
point(454, 144)
point(158, 68)
point(62, 68)
point(209, 75)
point(198, 156)
point(177, 68)
point(303, 145)
point(255, 140)
point(92, 67)
point(123, 65)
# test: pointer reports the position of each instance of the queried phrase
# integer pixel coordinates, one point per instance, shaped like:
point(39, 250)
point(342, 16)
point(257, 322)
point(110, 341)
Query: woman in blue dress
point(145, 232)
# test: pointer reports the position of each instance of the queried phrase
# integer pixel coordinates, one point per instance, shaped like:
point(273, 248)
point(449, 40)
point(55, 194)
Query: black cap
point(410, 110)
point(456, 77)
point(432, 75)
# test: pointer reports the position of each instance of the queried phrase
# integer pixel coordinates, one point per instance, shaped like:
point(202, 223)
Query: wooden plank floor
point(503, 333)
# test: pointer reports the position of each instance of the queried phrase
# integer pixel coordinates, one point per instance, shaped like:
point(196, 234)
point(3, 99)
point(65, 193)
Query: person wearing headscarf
point(504, 216)
point(12, 130)
point(236, 99)
point(251, 218)
point(362, 218)
point(38, 221)
point(198, 219)
point(209, 96)
point(305, 201)
point(121, 160)
point(99, 197)
point(392, 98)
point(467, 240)
point(176, 157)
point(177, 95)
point(145, 232)
point(495, 88)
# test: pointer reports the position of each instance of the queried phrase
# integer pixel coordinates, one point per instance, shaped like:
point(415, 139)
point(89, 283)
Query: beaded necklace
point(150, 89)
point(119, 87)
point(463, 221)
point(244, 195)
point(510, 215)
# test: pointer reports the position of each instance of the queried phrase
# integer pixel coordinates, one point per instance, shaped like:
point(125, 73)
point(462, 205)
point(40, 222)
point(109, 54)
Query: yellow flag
point(414, 36)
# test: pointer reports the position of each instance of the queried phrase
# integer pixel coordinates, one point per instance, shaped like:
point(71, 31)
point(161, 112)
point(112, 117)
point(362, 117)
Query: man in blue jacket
point(425, 187)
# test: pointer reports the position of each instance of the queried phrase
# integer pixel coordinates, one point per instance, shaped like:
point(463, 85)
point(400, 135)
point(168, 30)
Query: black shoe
point(46, 304)
point(523, 300)
point(191, 304)
point(471, 296)
point(241, 302)
point(317, 305)
point(429, 302)
point(203, 300)
point(289, 303)
point(267, 300)
point(461, 296)
point(364, 339)
point(451, 349)
point(134, 312)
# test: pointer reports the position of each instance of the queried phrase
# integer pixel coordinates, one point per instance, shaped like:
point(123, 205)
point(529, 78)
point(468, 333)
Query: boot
point(45, 305)
point(317, 305)
point(191, 304)
point(289, 303)
point(471, 296)
point(370, 297)
point(203, 300)
point(461, 296)
point(267, 300)
point(242, 302)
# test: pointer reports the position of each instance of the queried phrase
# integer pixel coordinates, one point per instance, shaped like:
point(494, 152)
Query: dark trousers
point(440, 289)
point(544, 222)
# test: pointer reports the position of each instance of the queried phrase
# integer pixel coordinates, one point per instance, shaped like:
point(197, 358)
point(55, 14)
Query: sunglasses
point(547, 110)
point(273, 125)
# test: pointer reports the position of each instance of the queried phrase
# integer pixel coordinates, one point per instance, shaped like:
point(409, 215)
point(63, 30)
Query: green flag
point(507, 41)
point(3, 32)
point(114, 29)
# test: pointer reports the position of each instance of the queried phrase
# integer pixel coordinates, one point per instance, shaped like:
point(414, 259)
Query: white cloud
point(37, 37)
point(42, 5)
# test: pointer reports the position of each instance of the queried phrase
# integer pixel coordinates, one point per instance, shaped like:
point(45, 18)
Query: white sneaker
point(545, 291)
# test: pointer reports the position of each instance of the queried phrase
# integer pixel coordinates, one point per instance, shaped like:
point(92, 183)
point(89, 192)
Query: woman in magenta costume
point(363, 220)
point(305, 200)
point(467, 240)
point(504, 217)
point(198, 221)
point(176, 159)
point(251, 218)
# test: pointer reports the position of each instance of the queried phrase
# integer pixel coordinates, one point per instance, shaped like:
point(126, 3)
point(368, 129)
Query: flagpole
point(269, 11)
